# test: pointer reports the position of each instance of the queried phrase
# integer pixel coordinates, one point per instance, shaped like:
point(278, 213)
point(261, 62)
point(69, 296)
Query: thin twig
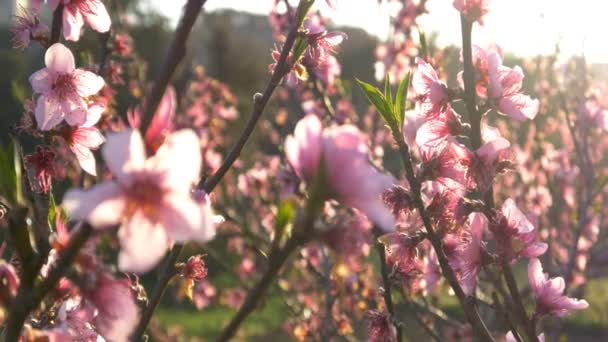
point(388, 298)
point(57, 24)
point(176, 53)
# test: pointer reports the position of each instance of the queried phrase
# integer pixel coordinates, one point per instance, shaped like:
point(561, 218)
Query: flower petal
point(87, 83)
point(41, 81)
point(59, 58)
point(186, 220)
point(180, 158)
point(97, 16)
point(124, 153)
point(102, 205)
point(143, 244)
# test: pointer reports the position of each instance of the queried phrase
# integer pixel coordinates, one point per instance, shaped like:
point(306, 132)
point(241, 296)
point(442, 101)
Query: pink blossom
point(78, 12)
point(161, 124)
point(429, 88)
point(84, 138)
point(506, 95)
point(514, 233)
point(117, 312)
point(437, 129)
point(380, 327)
point(43, 161)
point(26, 27)
point(469, 255)
point(473, 10)
point(502, 85)
point(150, 199)
point(202, 294)
point(321, 44)
point(549, 293)
point(401, 252)
point(62, 89)
point(445, 161)
point(344, 156)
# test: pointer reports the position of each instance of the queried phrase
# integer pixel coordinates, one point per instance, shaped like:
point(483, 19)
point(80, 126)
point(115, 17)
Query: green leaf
point(52, 210)
point(424, 48)
point(376, 98)
point(388, 93)
point(401, 98)
point(18, 91)
point(8, 178)
point(282, 224)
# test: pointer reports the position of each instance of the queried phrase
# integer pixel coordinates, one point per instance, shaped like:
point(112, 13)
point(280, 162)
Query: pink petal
point(303, 149)
point(48, 113)
point(41, 81)
point(515, 217)
point(161, 122)
point(519, 107)
point(180, 157)
point(72, 24)
point(76, 117)
point(102, 205)
point(124, 153)
point(490, 150)
point(94, 114)
point(97, 17)
point(143, 244)
point(87, 83)
point(59, 58)
point(535, 275)
point(85, 158)
point(187, 220)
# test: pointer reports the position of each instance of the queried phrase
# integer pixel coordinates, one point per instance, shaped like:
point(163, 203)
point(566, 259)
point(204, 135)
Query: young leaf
point(376, 98)
point(388, 93)
point(401, 98)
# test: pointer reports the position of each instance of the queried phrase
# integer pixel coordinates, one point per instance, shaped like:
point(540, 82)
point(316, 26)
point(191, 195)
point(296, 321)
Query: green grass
point(208, 323)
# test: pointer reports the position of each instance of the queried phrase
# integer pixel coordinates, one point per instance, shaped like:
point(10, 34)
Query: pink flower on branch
point(27, 27)
point(150, 199)
point(515, 234)
point(339, 154)
point(429, 88)
point(85, 138)
point(63, 89)
point(78, 12)
point(549, 293)
point(473, 10)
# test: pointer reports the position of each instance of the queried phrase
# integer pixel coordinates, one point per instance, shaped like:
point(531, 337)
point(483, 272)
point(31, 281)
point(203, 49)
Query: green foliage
point(392, 110)
point(10, 171)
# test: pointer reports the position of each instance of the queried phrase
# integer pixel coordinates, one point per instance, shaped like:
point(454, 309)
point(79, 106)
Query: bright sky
point(522, 27)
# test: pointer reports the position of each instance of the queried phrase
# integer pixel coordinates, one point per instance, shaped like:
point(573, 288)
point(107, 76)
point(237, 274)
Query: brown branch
point(28, 300)
point(57, 24)
point(176, 53)
point(384, 271)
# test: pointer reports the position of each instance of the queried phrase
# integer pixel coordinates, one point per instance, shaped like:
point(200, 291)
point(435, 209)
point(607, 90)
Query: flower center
point(64, 86)
point(146, 196)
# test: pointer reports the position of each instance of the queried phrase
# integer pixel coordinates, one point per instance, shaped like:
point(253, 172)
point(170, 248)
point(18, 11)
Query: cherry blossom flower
point(401, 252)
point(62, 89)
point(84, 138)
point(514, 233)
point(398, 199)
point(380, 327)
point(27, 27)
point(117, 312)
point(43, 161)
point(473, 10)
point(78, 12)
point(549, 293)
point(429, 88)
point(344, 156)
point(502, 85)
point(150, 199)
point(469, 255)
point(437, 129)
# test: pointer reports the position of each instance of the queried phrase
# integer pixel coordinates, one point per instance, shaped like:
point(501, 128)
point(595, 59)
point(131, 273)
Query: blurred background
point(233, 42)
